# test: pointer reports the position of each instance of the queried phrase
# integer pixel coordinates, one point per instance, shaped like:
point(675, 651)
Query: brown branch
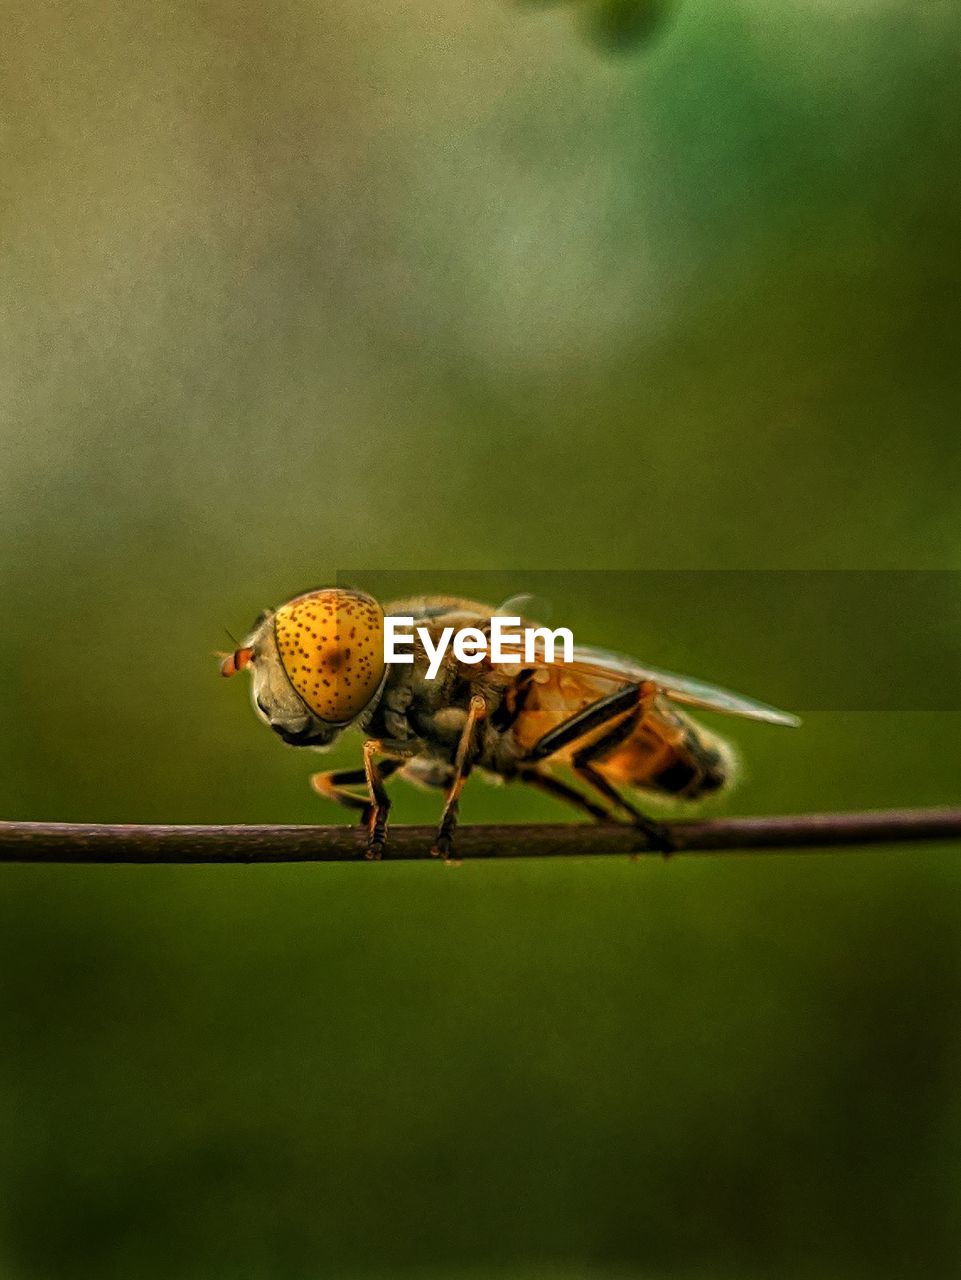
point(81, 842)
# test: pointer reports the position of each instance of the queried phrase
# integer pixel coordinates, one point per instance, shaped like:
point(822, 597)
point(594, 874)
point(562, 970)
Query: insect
point(318, 667)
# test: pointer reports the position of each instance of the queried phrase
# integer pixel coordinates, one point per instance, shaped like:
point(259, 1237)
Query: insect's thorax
point(433, 711)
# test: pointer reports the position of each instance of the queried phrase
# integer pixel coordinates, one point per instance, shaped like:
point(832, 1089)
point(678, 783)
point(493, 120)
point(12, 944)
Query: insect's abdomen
point(668, 752)
point(655, 746)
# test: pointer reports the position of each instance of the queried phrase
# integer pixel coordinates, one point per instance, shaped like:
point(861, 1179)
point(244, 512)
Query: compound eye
point(331, 644)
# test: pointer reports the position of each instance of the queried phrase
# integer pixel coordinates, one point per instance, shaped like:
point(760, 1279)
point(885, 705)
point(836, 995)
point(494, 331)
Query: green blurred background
point(294, 288)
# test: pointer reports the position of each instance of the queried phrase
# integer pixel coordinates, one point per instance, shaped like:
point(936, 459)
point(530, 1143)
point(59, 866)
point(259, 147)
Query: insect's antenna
point(232, 638)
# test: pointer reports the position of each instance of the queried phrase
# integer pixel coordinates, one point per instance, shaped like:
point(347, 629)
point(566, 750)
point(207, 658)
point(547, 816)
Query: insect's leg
point(332, 784)
point(623, 706)
point(394, 751)
point(552, 786)
point(462, 767)
point(590, 717)
point(659, 835)
point(379, 801)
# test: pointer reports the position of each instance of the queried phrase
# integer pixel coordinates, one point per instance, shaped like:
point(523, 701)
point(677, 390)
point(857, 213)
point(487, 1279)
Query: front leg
point(379, 799)
point(333, 784)
point(462, 767)
point(379, 802)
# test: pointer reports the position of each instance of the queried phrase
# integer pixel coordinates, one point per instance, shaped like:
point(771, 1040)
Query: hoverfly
point(318, 667)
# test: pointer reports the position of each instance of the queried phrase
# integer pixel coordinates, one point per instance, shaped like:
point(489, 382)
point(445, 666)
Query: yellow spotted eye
point(332, 646)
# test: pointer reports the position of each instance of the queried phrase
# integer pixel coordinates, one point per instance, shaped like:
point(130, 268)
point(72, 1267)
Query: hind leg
point(619, 712)
point(656, 832)
point(659, 835)
point(552, 786)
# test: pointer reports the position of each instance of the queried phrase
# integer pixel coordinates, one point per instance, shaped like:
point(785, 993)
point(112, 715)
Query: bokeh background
point(294, 289)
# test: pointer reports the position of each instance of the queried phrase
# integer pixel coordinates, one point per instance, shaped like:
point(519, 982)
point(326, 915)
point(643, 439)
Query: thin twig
point(80, 842)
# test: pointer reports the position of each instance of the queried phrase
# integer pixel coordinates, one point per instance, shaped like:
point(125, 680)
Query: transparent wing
point(525, 605)
point(684, 689)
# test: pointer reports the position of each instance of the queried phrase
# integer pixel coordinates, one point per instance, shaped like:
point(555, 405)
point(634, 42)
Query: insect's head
point(317, 663)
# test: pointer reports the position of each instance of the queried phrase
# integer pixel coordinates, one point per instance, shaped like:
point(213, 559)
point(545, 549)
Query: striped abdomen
point(653, 746)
